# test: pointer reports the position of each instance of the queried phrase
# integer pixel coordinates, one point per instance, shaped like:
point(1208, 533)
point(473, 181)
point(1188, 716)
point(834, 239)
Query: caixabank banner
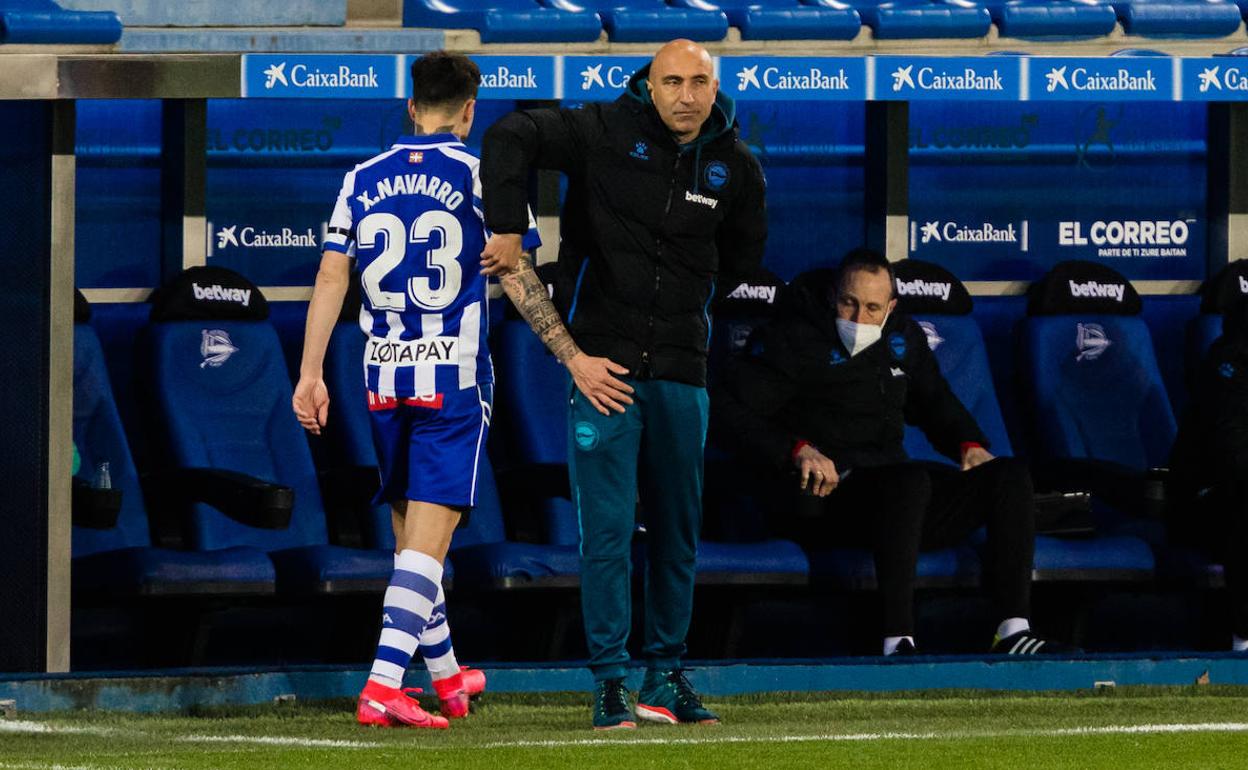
point(1003, 191)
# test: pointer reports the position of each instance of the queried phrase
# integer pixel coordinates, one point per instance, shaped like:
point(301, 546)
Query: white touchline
point(29, 727)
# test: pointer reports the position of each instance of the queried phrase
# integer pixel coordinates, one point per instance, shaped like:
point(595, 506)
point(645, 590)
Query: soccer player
point(411, 217)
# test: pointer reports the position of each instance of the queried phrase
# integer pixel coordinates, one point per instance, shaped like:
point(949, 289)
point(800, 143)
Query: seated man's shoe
point(905, 648)
point(1031, 643)
point(667, 697)
point(611, 711)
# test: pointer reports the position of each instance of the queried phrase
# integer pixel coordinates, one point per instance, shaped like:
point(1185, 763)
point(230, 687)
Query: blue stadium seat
point(117, 559)
point(1218, 294)
point(221, 394)
point(1091, 374)
point(43, 21)
point(484, 558)
point(907, 19)
point(649, 21)
point(784, 19)
point(958, 344)
point(532, 410)
point(505, 21)
point(1178, 18)
point(1052, 18)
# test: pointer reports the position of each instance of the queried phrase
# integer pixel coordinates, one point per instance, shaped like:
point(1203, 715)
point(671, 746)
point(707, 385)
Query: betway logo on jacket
point(750, 291)
point(1096, 290)
point(794, 78)
point(920, 288)
point(218, 293)
point(321, 75)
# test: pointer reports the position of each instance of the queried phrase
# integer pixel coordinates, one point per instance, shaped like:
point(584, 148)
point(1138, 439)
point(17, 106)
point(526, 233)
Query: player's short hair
point(444, 80)
point(870, 260)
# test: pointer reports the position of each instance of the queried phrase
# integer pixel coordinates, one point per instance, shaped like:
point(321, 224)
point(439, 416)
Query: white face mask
point(858, 337)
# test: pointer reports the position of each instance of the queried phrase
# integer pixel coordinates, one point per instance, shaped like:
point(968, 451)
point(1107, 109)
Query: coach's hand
point(816, 471)
point(975, 455)
point(311, 403)
point(595, 378)
point(501, 254)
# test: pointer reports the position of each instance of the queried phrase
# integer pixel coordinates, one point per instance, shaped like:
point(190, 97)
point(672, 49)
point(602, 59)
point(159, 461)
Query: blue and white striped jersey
point(412, 218)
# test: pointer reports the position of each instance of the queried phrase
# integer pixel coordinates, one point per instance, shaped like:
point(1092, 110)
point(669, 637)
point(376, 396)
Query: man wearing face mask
point(825, 390)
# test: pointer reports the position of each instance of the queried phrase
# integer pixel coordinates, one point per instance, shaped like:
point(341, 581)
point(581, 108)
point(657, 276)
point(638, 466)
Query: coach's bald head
point(683, 87)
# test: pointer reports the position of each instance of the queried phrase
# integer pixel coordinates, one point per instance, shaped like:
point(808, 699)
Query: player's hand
point(311, 403)
point(816, 471)
point(595, 378)
point(501, 254)
point(975, 455)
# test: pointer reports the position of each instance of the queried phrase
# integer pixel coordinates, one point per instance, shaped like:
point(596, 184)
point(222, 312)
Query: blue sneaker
point(611, 711)
point(668, 698)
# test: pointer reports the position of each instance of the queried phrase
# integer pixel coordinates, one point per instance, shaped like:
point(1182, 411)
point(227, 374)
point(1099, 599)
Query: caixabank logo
point(912, 78)
point(598, 78)
point(1108, 79)
point(779, 78)
point(514, 77)
point(323, 76)
point(1220, 80)
point(967, 233)
point(233, 236)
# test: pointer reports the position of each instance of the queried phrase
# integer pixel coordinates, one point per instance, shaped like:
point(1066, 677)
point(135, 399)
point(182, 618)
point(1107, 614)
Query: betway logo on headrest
point(1094, 290)
point(921, 288)
point(503, 77)
point(219, 293)
point(750, 291)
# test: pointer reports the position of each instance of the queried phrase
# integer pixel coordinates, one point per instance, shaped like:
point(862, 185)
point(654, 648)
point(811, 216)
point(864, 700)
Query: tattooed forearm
point(528, 294)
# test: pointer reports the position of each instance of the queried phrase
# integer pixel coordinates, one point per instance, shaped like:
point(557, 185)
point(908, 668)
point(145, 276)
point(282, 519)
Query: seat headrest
point(1079, 286)
point(208, 293)
point(924, 288)
point(82, 308)
point(1224, 290)
point(755, 296)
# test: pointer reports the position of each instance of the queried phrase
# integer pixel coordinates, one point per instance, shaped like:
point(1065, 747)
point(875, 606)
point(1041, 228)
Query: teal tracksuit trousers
point(653, 449)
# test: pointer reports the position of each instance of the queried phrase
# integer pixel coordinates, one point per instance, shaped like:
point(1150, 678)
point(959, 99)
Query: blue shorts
point(428, 450)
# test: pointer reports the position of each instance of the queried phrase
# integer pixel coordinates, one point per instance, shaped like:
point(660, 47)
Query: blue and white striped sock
point(435, 642)
point(408, 604)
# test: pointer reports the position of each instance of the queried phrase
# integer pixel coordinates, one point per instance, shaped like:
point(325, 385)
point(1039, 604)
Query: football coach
point(663, 197)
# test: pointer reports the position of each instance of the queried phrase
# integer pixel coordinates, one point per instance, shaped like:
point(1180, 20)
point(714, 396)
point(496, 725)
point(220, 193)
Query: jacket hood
point(721, 120)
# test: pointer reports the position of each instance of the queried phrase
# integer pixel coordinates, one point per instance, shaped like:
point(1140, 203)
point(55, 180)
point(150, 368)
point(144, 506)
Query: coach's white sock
point(1011, 626)
point(407, 606)
point(891, 642)
point(1238, 645)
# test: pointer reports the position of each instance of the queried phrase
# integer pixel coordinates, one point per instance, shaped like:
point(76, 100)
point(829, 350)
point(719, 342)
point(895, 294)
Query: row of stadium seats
point(632, 21)
point(215, 395)
point(44, 21)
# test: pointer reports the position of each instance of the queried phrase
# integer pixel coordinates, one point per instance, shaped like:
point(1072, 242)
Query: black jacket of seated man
point(799, 385)
point(1209, 464)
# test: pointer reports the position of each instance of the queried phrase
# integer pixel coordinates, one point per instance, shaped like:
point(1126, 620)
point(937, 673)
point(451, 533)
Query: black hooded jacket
point(1212, 444)
point(797, 382)
point(647, 227)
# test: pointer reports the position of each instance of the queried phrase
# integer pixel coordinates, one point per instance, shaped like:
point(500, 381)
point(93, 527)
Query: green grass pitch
point(1196, 727)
